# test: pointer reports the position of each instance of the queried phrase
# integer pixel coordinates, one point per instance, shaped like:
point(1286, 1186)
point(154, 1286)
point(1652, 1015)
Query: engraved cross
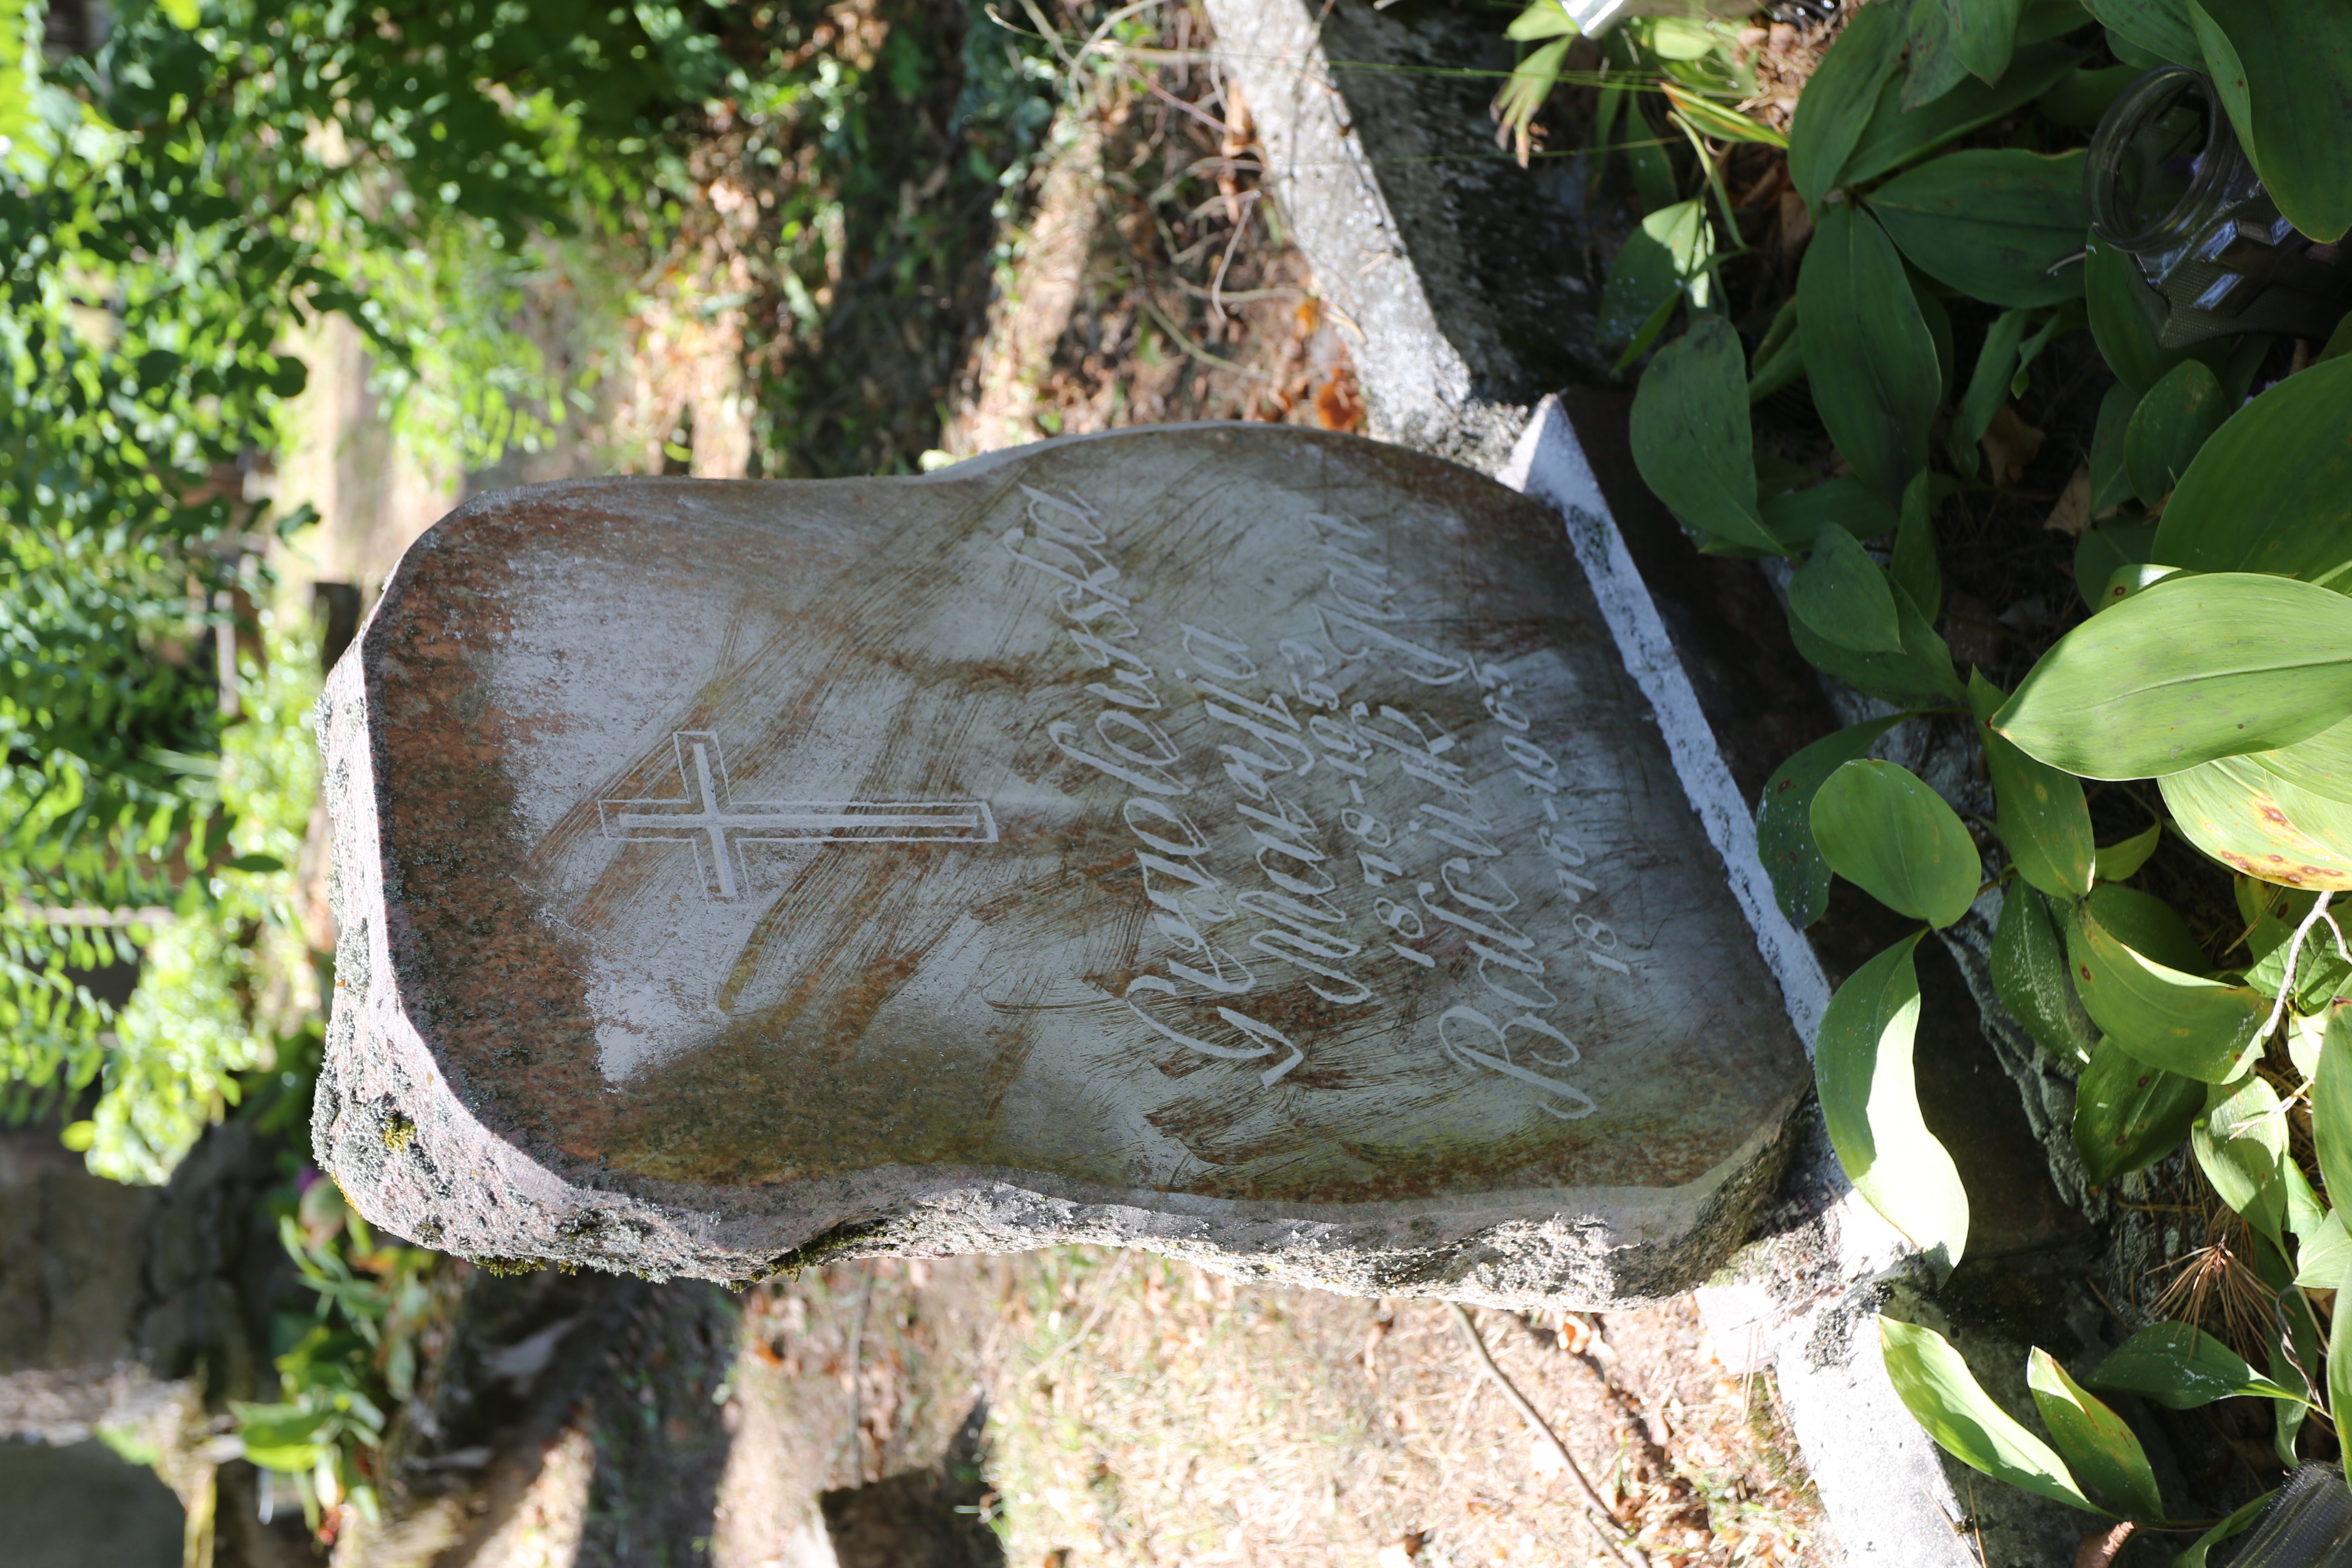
point(718, 825)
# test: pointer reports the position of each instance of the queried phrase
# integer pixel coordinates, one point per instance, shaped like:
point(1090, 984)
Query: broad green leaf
point(2101, 551)
point(1839, 98)
point(2180, 1367)
point(2331, 1108)
point(2098, 1449)
point(1991, 223)
point(2118, 862)
point(2128, 1115)
point(2110, 480)
point(2240, 1142)
point(1936, 1386)
point(1939, 332)
point(2298, 59)
point(1891, 836)
point(1784, 821)
point(2252, 813)
point(1869, 356)
point(2272, 489)
point(2165, 1017)
point(1843, 594)
point(1914, 569)
point(2229, 1528)
point(2159, 27)
point(1987, 386)
point(1921, 676)
point(2172, 422)
point(2082, 95)
point(2126, 316)
point(184, 14)
point(2325, 1255)
point(1657, 261)
point(1690, 434)
point(1795, 516)
point(2044, 821)
point(2031, 976)
point(2338, 344)
point(2192, 668)
point(1987, 33)
point(1894, 136)
point(1862, 1069)
point(1936, 66)
point(2148, 925)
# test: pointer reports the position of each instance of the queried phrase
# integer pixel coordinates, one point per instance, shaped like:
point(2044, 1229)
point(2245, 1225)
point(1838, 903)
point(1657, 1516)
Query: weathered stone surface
point(1235, 841)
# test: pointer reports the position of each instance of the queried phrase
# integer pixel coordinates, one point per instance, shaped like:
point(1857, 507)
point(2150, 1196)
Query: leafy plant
point(2216, 661)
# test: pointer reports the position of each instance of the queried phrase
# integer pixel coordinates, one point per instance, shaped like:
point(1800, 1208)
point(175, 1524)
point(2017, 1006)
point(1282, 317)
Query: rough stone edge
point(416, 1161)
point(1419, 390)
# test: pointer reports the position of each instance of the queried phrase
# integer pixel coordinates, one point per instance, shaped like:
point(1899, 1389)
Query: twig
point(1597, 1516)
point(2294, 954)
point(857, 1386)
point(1192, 348)
point(1241, 226)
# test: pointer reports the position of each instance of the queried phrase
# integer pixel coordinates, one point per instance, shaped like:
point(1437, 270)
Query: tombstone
point(1234, 841)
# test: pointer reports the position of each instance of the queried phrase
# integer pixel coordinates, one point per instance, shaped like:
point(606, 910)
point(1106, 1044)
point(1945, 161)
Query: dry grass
point(1146, 1412)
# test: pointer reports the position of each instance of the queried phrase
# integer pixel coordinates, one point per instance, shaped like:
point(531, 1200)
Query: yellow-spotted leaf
point(2283, 817)
point(2128, 1115)
point(2098, 1449)
point(2164, 1017)
point(2190, 669)
point(1861, 1066)
point(1944, 1396)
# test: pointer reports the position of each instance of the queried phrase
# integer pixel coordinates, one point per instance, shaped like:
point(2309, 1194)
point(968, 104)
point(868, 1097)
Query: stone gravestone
point(1232, 840)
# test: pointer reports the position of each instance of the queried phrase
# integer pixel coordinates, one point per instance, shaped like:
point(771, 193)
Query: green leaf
point(1944, 1396)
point(2331, 1108)
point(1914, 569)
point(2229, 1528)
point(2239, 1143)
point(2326, 1257)
point(1784, 821)
point(1781, 357)
point(2128, 1115)
point(2126, 316)
point(2031, 976)
point(1690, 434)
point(1891, 836)
point(1655, 264)
point(2044, 821)
point(2272, 489)
point(1541, 19)
point(1843, 596)
point(1868, 353)
point(2165, 1017)
point(2159, 27)
point(2082, 98)
point(2101, 551)
point(1839, 98)
point(184, 14)
point(2173, 421)
point(1862, 1071)
point(2148, 925)
point(2180, 1367)
point(2189, 670)
point(2110, 480)
point(1921, 676)
point(1795, 516)
point(1991, 223)
point(1894, 136)
point(2283, 816)
point(1939, 331)
point(2118, 862)
point(1987, 386)
point(1936, 65)
point(2098, 1449)
point(2298, 59)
